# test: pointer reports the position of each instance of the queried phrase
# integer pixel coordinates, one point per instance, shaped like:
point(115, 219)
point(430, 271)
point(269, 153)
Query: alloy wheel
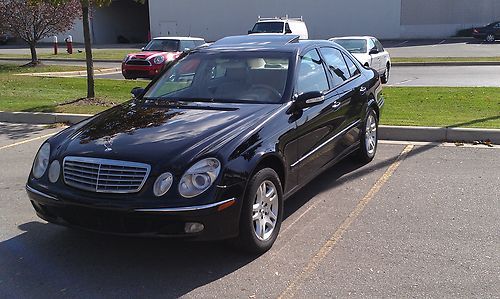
point(371, 134)
point(490, 38)
point(265, 210)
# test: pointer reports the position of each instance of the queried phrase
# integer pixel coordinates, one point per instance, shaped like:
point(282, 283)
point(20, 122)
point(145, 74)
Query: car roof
point(178, 38)
point(353, 37)
point(267, 42)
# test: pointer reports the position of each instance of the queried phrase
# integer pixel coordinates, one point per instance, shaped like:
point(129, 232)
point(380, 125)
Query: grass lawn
point(114, 54)
point(43, 94)
point(442, 106)
point(444, 59)
point(410, 106)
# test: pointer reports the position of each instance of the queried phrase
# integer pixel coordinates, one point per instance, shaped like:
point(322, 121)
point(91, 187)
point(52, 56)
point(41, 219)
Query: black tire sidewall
point(247, 239)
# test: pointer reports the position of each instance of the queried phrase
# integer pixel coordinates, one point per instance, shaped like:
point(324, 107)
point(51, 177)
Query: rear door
point(383, 56)
point(350, 96)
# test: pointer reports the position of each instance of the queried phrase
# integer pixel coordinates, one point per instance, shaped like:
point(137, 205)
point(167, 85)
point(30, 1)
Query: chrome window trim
point(33, 190)
point(185, 209)
point(106, 162)
point(352, 125)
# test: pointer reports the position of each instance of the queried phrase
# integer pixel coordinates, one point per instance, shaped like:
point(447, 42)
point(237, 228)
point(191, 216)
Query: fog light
point(163, 184)
point(193, 227)
point(54, 171)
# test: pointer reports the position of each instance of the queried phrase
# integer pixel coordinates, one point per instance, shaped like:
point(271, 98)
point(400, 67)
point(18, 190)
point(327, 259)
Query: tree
point(32, 21)
point(86, 6)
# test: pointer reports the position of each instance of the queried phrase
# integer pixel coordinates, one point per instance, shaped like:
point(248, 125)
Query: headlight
point(158, 59)
point(127, 58)
point(41, 161)
point(199, 177)
point(163, 184)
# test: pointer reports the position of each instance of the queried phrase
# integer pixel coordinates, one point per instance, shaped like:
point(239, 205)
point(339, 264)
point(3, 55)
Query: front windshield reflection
point(226, 77)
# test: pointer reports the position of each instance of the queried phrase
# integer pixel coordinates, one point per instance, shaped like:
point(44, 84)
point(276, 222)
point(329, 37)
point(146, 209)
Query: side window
point(380, 48)
point(287, 28)
point(312, 76)
point(198, 43)
point(353, 69)
point(336, 65)
point(497, 26)
point(187, 45)
point(371, 44)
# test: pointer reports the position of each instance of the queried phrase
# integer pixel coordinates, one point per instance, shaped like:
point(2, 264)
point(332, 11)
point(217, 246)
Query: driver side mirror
point(308, 99)
point(142, 48)
point(374, 50)
point(250, 31)
point(137, 91)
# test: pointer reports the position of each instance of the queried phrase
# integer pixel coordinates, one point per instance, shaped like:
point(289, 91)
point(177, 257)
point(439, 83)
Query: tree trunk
point(88, 51)
point(34, 57)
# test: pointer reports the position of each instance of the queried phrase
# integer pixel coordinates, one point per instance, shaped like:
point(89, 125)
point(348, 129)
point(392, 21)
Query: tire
point(256, 234)
point(368, 138)
point(490, 38)
point(385, 77)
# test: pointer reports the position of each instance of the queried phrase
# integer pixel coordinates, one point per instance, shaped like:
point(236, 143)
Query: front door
point(315, 126)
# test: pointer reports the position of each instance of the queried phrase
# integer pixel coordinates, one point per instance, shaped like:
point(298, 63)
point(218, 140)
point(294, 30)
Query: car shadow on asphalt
point(47, 260)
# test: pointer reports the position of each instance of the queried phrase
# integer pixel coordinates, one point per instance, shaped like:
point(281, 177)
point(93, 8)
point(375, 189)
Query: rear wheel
point(262, 212)
point(368, 138)
point(385, 77)
point(490, 38)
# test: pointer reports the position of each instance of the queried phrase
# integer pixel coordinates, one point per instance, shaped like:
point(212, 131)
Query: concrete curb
point(72, 73)
point(463, 63)
point(398, 133)
point(436, 134)
point(41, 118)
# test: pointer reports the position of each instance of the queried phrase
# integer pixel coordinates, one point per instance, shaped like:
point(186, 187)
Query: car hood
point(161, 135)
point(148, 54)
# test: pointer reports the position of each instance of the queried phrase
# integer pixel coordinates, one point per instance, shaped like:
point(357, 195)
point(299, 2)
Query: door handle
point(336, 104)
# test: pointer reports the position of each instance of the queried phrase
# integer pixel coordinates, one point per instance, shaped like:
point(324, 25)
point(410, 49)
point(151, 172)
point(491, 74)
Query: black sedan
point(489, 33)
point(212, 147)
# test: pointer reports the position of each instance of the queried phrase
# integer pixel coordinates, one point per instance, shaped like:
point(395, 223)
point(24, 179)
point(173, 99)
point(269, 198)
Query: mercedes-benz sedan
point(212, 147)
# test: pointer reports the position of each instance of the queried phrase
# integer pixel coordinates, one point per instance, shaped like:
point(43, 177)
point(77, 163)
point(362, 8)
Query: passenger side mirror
point(373, 51)
point(142, 48)
point(137, 91)
point(309, 99)
point(250, 31)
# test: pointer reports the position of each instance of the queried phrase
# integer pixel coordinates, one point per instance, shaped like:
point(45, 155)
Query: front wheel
point(368, 138)
point(490, 38)
point(262, 212)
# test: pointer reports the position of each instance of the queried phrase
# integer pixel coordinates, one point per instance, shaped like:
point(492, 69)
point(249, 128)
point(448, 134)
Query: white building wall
point(213, 19)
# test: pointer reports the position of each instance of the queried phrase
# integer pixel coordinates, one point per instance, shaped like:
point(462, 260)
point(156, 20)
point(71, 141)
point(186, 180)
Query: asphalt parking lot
point(421, 220)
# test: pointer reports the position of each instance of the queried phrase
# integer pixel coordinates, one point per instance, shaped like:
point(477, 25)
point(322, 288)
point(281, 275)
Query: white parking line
point(27, 140)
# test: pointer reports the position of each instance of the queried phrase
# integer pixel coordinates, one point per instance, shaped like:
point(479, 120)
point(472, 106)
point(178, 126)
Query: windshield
point(257, 77)
point(268, 27)
point(162, 45)
point(353, 45)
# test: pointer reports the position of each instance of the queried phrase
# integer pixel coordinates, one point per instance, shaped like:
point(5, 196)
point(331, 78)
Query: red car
point(151, 60)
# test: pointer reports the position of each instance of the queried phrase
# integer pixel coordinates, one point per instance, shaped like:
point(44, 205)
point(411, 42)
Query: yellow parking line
point(313, 264)
point(26, 141)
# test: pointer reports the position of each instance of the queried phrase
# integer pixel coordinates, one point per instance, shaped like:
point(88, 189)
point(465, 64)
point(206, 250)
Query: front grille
point(103, 175)
point(138, 62)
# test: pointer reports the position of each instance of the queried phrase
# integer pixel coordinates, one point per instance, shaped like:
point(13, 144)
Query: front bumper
point(220, 220)
point(141, 71)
